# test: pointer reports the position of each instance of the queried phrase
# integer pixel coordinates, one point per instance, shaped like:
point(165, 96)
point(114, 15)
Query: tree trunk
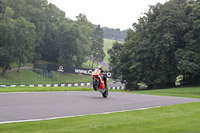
point(19, 66)
point(4, 71)
point(97, 64)
point(92, 62)
point(89, 61)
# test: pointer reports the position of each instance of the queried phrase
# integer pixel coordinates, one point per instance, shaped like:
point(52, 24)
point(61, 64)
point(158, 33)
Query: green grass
point(183, 118)
point(191, 92)
point(88, 63)
point(44, 62)
point(14, 65)
point(110, 81)
point(28, 77)
point(95, 65)
point(42, 89)
point(107, 45)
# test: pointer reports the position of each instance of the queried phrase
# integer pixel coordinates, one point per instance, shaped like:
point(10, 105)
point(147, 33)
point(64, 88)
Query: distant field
point(88, 64)
point(28, 77)
point(107, 45)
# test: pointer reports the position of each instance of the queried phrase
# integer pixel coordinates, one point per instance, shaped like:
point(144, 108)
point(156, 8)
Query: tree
point(85, 28)
point(6, 29)
point(35, 13)
point(189, 56)
point(51, 46)
point(23, 41)
point(97, 45)
point(82, 19)
point(148, 55)
point(68, 43)
point(114, 60)
point(18, 6)
point(5, 60)
point(166, 25)
point(84, 44)
point(57, 39)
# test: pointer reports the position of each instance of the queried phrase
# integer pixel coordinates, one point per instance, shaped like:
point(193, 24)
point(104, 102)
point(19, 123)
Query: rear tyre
point(95, 84)
point(105, 94)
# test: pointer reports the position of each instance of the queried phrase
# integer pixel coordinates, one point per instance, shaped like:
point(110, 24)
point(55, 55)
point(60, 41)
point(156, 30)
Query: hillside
point(107, 45)
point(28, 77)
point(114, 34)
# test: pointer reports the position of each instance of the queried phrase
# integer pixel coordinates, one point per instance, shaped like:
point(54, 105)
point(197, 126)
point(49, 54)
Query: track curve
point(15, 107)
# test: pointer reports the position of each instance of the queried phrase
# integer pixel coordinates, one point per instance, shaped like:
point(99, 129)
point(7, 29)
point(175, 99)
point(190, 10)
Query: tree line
point(163, 45)
point(33, 30)
point(114, 34)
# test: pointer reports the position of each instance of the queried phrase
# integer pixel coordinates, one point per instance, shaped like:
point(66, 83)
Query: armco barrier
point(63, 85)
point(117, 88)
point(50, 85)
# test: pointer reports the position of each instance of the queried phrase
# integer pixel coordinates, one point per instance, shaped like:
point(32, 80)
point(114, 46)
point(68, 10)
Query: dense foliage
point(33, 29)
point(163, 45)
point(97, 45)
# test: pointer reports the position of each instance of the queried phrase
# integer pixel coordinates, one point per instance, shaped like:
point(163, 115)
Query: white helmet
point(100, 67)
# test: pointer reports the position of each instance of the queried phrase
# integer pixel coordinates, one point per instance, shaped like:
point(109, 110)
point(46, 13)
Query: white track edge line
point(53, 118)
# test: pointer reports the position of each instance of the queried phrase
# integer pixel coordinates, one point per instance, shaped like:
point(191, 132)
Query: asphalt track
point(17, 107)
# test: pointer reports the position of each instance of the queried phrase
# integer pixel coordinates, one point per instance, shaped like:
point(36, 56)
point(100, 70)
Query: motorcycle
point(99, 82)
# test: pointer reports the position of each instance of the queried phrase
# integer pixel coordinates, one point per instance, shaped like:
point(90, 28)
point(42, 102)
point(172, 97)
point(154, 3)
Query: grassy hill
point(107, 45)
point(88, 64)
point(28, 77)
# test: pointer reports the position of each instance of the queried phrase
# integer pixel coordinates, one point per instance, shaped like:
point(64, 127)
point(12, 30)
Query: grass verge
point(28, 77)
point(190, 92)
point(41, 89)
point(183, 118)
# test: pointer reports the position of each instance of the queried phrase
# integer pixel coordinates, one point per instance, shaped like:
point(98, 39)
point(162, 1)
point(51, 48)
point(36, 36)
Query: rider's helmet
point(100, 67)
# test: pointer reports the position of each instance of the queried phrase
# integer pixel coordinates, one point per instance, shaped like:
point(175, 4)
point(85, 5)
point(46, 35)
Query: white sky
point(108, 13)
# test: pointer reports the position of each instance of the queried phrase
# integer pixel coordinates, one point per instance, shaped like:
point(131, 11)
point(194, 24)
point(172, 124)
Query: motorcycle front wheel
point(95, 84)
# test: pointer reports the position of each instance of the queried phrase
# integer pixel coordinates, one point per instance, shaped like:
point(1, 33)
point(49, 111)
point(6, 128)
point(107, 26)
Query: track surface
point(44, 105)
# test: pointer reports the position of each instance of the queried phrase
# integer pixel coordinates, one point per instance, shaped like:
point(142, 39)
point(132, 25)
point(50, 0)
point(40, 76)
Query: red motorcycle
point(99, 82)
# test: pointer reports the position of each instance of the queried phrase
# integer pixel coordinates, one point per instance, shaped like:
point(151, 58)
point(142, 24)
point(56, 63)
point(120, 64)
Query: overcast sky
point(110, 13)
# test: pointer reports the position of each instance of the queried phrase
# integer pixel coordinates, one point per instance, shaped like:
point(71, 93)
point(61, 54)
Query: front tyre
point(105, 94)
point(95, 84)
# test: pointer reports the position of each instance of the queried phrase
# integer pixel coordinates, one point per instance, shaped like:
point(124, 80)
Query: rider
point(104, 76)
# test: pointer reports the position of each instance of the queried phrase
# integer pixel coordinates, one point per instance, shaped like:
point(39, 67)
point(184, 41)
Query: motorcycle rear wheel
point(105, 94)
